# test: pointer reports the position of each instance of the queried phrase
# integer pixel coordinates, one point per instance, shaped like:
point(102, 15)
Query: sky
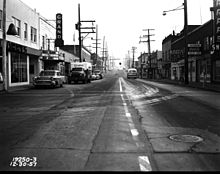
point(122, 22)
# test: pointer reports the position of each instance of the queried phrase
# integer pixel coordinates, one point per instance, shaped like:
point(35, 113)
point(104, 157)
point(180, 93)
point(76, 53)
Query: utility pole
point(106, 57)
point(149, 47)
point(11, 31)
point(79, 28)
point(129, 59)
point(186, 80)
point(186, 41)
point(104, 53)
point(4, 56)
point(133, 50)
point(96, 43)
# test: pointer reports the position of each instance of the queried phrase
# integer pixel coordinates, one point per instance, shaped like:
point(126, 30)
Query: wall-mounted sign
point(194, 49)
point(217, 22)
point(16, 48)
point(59, 30)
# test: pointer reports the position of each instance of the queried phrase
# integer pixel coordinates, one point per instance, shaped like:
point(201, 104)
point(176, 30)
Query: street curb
point(17, 88)
point(181, 84)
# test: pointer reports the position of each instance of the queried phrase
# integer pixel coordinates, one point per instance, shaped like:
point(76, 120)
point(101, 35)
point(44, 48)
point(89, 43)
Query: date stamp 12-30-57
point(23, 162)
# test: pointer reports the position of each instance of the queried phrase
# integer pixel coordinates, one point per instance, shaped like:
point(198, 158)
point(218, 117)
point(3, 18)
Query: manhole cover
point(186, 138)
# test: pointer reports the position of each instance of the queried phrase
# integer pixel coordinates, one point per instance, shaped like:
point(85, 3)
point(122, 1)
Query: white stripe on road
point(120, 85)
point(144, 163)
point(128, 115)
point(134, 132)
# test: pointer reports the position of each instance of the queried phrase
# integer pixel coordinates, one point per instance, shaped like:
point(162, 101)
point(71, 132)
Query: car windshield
point(132, 71)
point(47, 73)
point(97, 71)
point(77, 69)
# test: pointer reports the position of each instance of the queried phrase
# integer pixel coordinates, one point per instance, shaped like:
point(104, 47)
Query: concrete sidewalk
point(208, 96)
point(205, 86)
point(16, 88)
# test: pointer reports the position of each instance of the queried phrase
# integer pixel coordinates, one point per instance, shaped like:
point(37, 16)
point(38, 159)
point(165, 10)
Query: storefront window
point(18, 68)
point(217, 70)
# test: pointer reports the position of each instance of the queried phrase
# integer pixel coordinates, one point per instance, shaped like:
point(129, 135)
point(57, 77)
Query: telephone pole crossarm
point(87, 21)
point(79, 28)
point(149, 47)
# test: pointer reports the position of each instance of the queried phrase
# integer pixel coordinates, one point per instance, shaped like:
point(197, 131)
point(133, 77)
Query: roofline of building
point(46, 21)
point(34, 10)
point(199, 27)
point(40, 16)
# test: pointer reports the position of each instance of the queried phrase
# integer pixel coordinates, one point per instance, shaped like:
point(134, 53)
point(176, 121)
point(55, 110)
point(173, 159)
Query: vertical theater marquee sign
point(59, 30)
point(216, 9)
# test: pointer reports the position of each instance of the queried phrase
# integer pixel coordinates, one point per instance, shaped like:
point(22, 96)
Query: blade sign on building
point(217, 23)
point(59, 30)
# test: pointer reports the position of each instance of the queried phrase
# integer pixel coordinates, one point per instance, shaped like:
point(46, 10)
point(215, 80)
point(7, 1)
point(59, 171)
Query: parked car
point(94, 77)
point(132, 73)
point(52, 78)
point(99, 74)
point(1, 78)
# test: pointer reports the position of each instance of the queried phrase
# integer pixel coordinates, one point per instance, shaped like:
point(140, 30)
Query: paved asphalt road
point(113, 124)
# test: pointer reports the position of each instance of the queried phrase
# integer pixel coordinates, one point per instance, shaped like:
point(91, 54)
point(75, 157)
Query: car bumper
point(44, 83)
point(131, 76)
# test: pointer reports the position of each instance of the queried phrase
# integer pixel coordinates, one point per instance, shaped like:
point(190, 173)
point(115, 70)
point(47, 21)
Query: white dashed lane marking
point(143, 161)
point(134, 132)
point(128, 115)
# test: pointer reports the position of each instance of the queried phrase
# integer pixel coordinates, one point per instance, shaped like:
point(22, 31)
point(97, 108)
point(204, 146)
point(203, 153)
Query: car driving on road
point(132, 73)
point(52, 78)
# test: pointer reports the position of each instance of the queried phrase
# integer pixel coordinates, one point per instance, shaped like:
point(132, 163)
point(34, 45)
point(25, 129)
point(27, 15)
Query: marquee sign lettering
point(59, 30)
point(217, 22)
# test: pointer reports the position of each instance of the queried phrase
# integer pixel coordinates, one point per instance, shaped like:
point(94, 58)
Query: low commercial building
point(33, 48)
point(155, 57)
point(23, 50)
point(143, 61)
point(200, 41)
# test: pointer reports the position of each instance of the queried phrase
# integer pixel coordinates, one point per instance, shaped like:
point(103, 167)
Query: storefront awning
point(33, 51)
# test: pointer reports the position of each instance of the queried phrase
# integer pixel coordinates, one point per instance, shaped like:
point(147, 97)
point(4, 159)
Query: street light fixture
point(186, 80)
point(178, 8)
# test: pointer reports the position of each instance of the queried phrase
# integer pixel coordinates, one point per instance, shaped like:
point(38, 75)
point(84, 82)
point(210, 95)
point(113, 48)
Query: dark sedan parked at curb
point(50, 78)
point(99, 74)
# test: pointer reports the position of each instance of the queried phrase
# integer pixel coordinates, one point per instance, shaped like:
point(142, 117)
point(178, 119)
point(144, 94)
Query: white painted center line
point(128, 115)
point(120, 85)
point(134, 132)
point(144, 163)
